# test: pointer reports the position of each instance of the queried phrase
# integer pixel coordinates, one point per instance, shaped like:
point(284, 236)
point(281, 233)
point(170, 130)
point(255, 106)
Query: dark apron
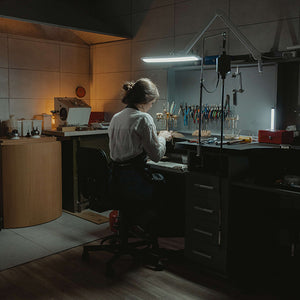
point(135, 190)
point(129, 183)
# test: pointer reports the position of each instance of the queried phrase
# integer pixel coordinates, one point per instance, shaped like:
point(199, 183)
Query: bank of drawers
point(204, 240)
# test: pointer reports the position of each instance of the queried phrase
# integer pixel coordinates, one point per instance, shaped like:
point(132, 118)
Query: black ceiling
point(106, 17)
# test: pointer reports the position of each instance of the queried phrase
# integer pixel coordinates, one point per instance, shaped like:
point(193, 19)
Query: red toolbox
point(275, 136)
point(96, 116)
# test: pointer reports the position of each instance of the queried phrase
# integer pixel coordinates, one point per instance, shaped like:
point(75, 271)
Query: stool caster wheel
point(85, 256)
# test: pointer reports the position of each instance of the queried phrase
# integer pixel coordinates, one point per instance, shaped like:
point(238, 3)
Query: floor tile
point(20, 245)
point(16, 249)
point(59, 235)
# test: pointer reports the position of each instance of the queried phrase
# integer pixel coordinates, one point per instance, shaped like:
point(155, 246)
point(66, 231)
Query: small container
point(275, 136)
point(37, 125)
point(35, 133)
point(47, 122)
point(12, 123)
point(14, 135)
point(19, 127)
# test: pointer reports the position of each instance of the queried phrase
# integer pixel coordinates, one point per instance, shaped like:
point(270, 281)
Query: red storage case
point(275, 136)
point(96, 116)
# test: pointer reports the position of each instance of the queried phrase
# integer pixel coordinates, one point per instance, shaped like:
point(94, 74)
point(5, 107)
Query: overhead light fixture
point(185, 53)
point(174, 58)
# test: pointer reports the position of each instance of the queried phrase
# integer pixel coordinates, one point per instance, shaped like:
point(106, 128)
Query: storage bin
point(275, 136)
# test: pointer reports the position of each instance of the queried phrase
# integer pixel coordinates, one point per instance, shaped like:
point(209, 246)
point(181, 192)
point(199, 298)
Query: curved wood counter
point(31, 183)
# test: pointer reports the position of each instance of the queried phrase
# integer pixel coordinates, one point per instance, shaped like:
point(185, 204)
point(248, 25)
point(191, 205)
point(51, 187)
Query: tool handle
point(234, 100)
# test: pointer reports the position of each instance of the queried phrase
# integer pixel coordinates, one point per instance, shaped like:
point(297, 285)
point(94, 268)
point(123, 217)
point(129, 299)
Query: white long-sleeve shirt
point(131, 132)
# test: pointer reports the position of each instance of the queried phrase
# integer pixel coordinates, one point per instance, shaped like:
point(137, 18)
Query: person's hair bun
point(140, 92)
point(128, 86)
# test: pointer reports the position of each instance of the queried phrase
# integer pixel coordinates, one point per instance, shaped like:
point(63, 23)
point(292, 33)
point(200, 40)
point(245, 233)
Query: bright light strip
point(272, 118)
point(170, 59)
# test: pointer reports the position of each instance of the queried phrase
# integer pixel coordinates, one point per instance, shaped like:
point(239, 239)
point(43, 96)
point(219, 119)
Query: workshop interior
point(228, 75)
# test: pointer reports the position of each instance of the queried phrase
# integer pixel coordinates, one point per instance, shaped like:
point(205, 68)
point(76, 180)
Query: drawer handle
point(202, 254)
point(210, 211)
point(203, 232)
point(203, 186)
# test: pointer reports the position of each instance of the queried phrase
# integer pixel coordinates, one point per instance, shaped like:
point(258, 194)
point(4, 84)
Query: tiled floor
point(21, 245)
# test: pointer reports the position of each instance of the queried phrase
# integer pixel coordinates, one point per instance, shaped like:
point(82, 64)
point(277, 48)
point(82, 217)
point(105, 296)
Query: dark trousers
point(134, 191)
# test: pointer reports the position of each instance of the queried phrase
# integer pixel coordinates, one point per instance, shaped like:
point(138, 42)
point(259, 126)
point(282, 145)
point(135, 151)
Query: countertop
point(238, 147)
point(75, 133)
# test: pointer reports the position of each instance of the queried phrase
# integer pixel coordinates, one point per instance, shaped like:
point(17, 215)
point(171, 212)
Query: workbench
point(235, 207)
point(71, 142)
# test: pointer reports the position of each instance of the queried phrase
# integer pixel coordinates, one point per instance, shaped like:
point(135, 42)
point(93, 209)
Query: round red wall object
point(80, 91)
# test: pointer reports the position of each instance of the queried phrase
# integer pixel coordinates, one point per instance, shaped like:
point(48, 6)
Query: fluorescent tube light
point(170, 59)
point(272, 118)
point(233, 28)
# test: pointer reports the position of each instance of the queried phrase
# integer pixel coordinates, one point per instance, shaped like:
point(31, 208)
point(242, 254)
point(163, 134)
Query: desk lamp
point(223, 61)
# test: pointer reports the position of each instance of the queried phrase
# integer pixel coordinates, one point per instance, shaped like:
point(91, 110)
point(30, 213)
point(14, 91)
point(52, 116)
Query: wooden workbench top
point(75, 133)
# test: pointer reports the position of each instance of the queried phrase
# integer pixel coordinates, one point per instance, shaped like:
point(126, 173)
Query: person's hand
point(166, 134)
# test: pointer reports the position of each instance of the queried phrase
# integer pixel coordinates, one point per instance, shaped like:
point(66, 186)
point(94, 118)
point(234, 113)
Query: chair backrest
point(93, 177)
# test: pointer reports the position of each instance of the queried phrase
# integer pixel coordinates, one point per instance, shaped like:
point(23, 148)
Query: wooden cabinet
point(31, 181)
point(267, 230)
point(206, 220)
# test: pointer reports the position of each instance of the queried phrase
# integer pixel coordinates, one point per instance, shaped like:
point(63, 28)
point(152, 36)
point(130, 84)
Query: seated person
point(132, 137)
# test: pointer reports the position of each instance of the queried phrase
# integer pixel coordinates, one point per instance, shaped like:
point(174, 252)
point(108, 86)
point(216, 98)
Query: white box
point(19, 127)
point(26, 127)
point(47, 122)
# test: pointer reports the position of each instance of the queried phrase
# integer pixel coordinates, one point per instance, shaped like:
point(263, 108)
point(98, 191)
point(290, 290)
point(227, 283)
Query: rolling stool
point(119, 244)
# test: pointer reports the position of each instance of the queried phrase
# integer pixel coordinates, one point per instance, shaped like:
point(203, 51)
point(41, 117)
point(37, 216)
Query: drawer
point(207, 233)
point(204, 201)
point(202, 183)
point(211, 257)
point(202, 209)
